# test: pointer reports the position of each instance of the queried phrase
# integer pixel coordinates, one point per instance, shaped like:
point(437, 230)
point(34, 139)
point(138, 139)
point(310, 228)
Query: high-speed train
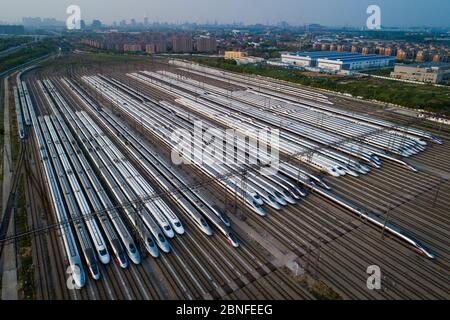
point(80, 229)
point(92, 195)
point(110, 233)
point(232, 239)
point(135, 180)
point(216, 217)
point(21, 87)
point(20, 124)
point(127, 241)
point(144, 214)
point(84, 209)
point(94, 231)
point(164, 170)
point(251, 199)
point(119, 188)
point(315, 159)
point(71, 250)
point(378, 221)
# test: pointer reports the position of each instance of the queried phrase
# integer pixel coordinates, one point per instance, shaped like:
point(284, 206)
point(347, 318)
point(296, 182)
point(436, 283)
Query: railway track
point(325, 238)
point(40, 254)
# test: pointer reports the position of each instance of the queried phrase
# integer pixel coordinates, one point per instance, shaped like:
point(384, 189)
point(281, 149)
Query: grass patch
point(415, 96)
point(317, 288)
point(322, 292)
point(25, 266)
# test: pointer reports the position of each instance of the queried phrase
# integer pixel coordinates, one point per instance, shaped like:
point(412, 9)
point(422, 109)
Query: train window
point(132, 248)
point(203, 222)
point(161, 237)
point(178, 224)
point(167, 228)
point(103, 252)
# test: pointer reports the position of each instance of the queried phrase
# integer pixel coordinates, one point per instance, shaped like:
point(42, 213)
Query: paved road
point(9, 276)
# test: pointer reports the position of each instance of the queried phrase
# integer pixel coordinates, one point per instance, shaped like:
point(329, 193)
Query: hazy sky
point(326, 12)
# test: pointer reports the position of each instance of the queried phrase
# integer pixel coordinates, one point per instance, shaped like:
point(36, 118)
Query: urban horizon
point(348, 14)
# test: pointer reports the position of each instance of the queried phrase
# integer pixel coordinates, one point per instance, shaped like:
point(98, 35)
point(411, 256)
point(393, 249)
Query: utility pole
point(318, 258)
point(308, 254)
point(386, 220)
point(243, 191)
point(226, 197)
point(437, 194)
point(139, 227)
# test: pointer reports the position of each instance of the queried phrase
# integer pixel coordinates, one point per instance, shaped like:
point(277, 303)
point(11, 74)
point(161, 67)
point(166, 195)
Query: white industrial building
point(337, 61)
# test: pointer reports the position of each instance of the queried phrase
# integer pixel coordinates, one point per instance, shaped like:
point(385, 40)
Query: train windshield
point(150, 242)
point(77, 270)
point(224, 218)
point(203, 222)
point(122, 257)
point(167, 228)
point(94, 268)
point(161, 238)
point(132, 248)
point(177, 224)
point(103, 252)
point(232, 237)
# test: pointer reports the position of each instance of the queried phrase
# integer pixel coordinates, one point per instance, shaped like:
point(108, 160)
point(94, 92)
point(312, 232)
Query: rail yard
point(111, 216)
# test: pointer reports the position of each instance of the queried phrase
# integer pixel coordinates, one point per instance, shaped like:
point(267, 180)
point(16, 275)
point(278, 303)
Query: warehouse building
point(431, 72)
point(337, 61)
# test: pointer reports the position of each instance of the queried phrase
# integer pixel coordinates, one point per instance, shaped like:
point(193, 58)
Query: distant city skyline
point(399, 13)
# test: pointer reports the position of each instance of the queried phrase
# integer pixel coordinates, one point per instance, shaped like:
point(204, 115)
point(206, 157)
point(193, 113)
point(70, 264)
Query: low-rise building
point(424, 72)
point(231, 55)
